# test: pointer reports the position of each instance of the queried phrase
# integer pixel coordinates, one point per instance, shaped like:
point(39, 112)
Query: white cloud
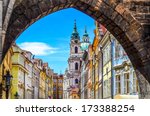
point(38, 48)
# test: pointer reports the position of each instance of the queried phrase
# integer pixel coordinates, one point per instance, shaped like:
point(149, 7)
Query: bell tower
point(74, 62)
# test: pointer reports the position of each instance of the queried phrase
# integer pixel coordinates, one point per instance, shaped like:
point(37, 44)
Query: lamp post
point(7, 82)
point(16, 95)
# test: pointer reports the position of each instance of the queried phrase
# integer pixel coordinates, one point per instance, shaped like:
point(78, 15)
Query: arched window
point(76, 81)
point(76, 49)
point(76, 66)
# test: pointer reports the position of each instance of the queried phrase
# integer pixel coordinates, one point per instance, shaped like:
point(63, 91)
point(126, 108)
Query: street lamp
point(7, 82)
point(16, 95)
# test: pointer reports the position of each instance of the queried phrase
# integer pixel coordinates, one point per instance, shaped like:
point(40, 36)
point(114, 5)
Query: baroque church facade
point(74, 63)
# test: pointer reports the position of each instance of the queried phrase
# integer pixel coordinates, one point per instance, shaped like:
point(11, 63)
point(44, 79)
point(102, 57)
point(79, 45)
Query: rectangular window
point(117, 50)
point(60, 96)
point(55, 80)
point(135, 83)
point(109, 52)
point(60, 88)
point(54, 88)
point(105, 89)
point(126, 83)
point(118, 84)
point(109, 87)
point(54, 96)
point(104, 56)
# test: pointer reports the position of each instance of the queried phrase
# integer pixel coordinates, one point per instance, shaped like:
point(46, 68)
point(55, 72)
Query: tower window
point(76, 41)
point(76, 81)
point(76, 66)
point(76, 49)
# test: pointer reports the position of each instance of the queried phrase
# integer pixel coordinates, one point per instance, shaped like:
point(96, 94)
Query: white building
point(28, 80)
point(125, 81)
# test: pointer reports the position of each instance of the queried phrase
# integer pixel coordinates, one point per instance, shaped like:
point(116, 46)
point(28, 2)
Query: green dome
point(85, 41)
point(84, 46)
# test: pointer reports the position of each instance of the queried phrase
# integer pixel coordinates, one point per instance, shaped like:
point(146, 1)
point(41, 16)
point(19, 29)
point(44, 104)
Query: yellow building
point(99, 43)
point(48, 81)
point(46, 71)
point(50, 87)
point(44, 79)
point(42, 85)
point(31, 80)
point(60, 87)
point(96, 62)
point(55, 84)
point(50, 84)
point(19, 73)
point(5, 66)
point(107, 65)
point(90, 66)
point(93, 67)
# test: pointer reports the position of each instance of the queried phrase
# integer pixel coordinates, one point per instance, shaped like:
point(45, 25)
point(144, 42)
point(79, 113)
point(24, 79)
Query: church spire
point(85, 32)
point(85, 36)
point(75, 27)
point(85, 40)
point(75, 34)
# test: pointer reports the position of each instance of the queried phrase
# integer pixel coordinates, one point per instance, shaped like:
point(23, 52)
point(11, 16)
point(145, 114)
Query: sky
point(49, 37)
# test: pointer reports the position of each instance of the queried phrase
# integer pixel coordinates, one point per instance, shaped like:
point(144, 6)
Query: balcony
point(120, 60)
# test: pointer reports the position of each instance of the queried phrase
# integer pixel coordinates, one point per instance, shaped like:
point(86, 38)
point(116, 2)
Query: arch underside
point(110, 13)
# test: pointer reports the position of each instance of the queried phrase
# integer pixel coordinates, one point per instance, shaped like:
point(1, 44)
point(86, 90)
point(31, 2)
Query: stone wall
point(127, 20)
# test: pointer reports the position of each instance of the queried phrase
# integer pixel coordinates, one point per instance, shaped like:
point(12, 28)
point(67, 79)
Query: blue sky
point(49, 37)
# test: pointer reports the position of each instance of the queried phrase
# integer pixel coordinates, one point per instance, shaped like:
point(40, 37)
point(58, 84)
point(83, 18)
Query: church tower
point(85, 41)
point(74, 62)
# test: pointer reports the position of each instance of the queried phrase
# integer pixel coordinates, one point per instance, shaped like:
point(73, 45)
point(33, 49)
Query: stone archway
point(117, 16)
